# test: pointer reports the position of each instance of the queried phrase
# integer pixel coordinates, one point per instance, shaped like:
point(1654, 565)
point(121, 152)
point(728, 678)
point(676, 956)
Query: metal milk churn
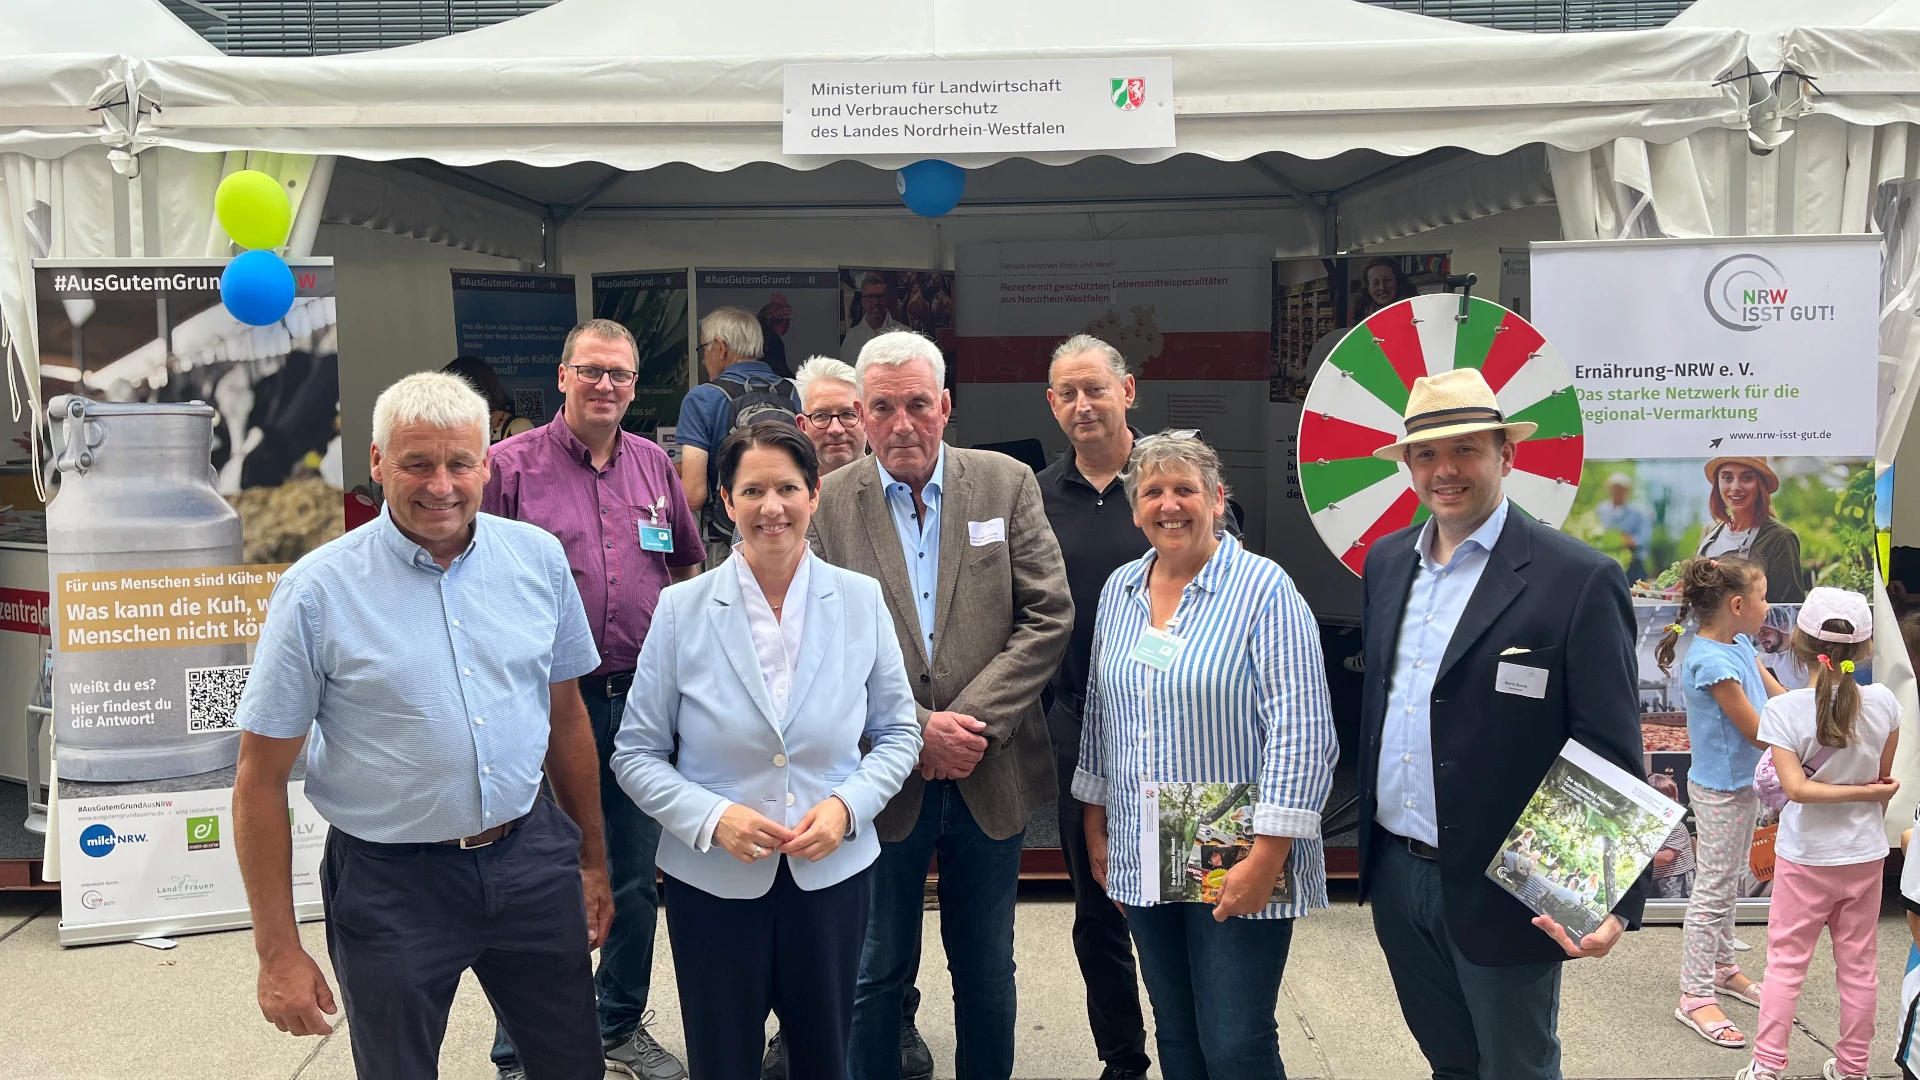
point(137, 495)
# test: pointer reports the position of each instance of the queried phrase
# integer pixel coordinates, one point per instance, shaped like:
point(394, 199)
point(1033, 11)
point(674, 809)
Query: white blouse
point(776, 640)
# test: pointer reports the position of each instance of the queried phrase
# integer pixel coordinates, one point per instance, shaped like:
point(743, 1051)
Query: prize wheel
point(1358, 402)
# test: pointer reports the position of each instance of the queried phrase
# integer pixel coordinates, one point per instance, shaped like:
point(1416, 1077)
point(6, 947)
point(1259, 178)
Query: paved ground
point(112, 1011)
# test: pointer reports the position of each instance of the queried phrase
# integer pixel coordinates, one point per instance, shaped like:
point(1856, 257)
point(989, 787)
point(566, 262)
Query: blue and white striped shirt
point(425, 690)
point(1245, 701)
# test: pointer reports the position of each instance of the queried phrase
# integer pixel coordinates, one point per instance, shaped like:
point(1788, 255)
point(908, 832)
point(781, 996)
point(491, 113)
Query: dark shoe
point(1114, 1073)
point(916, 1058)
point(644, 1059)
point(774, 1065)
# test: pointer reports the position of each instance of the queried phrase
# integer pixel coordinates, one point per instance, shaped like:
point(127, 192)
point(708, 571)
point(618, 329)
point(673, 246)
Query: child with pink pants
point(1832, 843)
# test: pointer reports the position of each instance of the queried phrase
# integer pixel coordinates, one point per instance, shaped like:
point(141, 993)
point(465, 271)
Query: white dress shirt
point(776, 641)
point(1434, 604)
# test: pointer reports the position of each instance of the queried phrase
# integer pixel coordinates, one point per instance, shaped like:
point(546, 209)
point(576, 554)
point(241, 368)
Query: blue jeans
point(626, 960)
point(978, 880)
point(1214, 988)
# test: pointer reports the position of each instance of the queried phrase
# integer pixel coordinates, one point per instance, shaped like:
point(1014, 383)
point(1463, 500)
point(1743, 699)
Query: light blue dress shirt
point(1434, 604)
point(1244, 701)
point(919, 540)
point(425, 690)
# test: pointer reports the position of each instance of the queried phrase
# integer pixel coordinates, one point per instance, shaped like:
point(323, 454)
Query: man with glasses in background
point(830, 412)
point(740, 390)
point(876, 317)
point(612, 499)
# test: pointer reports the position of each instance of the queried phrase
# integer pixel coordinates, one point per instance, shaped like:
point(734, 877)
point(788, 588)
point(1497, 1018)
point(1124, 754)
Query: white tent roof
point(1862, 57)
point(639, 85)
point(64, 58)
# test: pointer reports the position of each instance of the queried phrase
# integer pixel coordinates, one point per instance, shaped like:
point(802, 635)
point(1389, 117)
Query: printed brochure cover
point(1588, 832)
point(1192, 834)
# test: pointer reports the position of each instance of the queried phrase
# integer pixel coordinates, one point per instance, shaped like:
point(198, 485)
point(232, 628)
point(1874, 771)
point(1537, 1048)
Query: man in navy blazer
point(1491, 639)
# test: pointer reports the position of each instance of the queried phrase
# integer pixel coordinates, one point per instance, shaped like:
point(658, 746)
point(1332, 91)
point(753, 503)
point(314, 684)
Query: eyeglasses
point(847, 418)
point(592, 375)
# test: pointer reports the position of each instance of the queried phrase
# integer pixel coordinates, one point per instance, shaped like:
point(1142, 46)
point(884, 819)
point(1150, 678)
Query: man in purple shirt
point(617, 506)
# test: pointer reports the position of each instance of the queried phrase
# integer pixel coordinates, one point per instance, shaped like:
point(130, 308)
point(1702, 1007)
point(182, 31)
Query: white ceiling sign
point(969, 107)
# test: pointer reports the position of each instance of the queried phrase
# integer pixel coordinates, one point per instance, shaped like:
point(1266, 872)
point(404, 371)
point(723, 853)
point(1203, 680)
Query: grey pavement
point(110, 1011)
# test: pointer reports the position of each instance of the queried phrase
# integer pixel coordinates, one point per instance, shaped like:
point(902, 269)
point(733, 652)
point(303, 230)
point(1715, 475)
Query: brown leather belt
point(493, 835)
point(1419, 849)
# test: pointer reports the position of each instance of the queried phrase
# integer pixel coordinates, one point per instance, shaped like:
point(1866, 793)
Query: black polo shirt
point(1097, 536)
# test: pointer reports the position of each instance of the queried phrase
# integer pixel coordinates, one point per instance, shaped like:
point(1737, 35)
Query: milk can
point(137, 496)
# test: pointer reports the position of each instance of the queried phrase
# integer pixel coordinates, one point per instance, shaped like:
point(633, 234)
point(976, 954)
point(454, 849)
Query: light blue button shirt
point(919, 540)
point(1434, 604)
point(425, 690)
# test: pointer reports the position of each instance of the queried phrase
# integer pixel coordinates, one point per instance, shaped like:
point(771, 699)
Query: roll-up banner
point(1728, 393)
point(1191, 314)
point(196, 458)
point(518, 324)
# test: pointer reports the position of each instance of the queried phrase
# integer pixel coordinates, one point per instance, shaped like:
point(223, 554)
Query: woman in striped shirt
point(1206, 756)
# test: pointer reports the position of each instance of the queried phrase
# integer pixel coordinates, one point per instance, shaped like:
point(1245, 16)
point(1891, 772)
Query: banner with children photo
point(1729, 477)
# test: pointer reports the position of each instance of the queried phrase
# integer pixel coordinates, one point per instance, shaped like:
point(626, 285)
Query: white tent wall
point(395, 301)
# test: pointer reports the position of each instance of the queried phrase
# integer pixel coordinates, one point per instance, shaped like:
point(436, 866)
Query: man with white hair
point(960, 544)
point(830, 412)
point(431, 655)
point(740, 389)
point(876, 317)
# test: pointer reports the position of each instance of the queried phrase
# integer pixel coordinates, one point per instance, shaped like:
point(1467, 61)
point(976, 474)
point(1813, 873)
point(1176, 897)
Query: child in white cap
point(1832, 842)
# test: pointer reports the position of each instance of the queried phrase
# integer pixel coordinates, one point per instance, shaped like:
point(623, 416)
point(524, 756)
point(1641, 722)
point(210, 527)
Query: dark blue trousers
point(792, 952)
point(405, 920)
point(626, 960)
point(1214, 988)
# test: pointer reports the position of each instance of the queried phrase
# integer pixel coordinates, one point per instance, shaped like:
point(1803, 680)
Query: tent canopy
point(637, 86)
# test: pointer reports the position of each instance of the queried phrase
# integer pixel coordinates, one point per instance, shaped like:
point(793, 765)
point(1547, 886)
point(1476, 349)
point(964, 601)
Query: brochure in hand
point(1191, 834)
point(1584, 838)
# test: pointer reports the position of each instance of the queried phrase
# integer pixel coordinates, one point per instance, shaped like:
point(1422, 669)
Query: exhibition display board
point(197, 457)
point(517, 323)
point(1728, 389)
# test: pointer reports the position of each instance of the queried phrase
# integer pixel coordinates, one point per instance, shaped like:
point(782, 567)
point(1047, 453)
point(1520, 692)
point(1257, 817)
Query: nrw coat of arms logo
point(1129, 94)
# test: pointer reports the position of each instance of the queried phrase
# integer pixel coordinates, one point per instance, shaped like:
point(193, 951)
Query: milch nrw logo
point(99, 840)
point(1129, 94)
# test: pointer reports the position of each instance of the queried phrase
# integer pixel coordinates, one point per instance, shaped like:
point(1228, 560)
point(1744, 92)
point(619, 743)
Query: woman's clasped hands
point(750, 836)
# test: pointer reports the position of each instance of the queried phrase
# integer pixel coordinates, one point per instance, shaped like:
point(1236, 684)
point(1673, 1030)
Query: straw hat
point(1758, 465)
point(1456, 402)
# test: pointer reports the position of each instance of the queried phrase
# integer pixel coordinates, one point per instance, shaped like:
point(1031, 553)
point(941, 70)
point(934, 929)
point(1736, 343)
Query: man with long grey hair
point(434, 708)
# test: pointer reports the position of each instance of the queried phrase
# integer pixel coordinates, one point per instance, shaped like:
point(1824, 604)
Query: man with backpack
point(741, 390)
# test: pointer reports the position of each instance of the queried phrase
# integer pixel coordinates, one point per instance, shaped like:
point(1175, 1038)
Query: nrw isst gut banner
point(1728, 392)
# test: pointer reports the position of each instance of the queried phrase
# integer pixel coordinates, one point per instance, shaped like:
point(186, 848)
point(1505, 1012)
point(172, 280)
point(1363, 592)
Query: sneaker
point(640, 1057)
point(511, 1072)
point(916, 1058)
point(1831, 1071)
point(1753, 1071)
point(774, 1065)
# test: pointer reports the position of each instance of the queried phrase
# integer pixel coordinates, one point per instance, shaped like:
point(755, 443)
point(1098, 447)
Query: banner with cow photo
point(193, 458)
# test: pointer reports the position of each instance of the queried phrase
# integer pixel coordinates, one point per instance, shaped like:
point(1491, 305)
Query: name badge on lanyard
point(1158, 649)
point(656, 537)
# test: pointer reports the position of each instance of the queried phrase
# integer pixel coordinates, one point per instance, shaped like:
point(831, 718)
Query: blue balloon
point(932, 187)
point(257, 287)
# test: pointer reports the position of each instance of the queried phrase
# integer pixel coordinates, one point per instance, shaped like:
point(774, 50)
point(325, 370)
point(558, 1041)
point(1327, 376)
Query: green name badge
point(656, 538)
point(1158, 649)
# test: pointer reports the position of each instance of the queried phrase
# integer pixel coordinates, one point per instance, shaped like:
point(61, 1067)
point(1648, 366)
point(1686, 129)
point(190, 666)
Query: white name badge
point(1158, 649)
point(656, 538)
point(1522, 681)
point(991, 531)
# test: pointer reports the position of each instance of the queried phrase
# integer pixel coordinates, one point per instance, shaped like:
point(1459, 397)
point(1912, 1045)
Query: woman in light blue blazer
point(765, 673)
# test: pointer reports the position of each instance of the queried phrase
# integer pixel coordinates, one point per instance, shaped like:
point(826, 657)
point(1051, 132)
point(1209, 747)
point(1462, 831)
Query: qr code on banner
point(530, 404)
point(213, 697)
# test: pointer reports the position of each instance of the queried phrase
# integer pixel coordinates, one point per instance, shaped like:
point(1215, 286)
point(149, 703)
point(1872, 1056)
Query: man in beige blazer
point(960, 544)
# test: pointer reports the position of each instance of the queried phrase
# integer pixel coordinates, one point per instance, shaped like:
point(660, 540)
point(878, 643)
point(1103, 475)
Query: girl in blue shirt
point(1725, 688)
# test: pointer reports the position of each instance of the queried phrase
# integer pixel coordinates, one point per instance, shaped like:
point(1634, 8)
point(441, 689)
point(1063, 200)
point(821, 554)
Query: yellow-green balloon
point(254, 209)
